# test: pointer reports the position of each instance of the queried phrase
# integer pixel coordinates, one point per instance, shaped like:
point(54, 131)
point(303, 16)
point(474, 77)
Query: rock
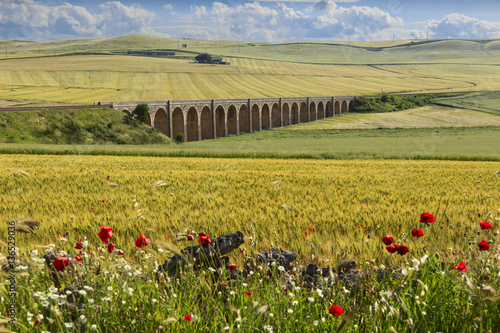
point(209, 255)
point(385, 273)
point(279, 256)
point(312, 270)
point(346, 266)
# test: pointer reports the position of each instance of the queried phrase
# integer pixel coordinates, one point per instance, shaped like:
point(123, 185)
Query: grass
point(88, 70)
point(325, 211)
point(75, 126)
point(431, 116)
point(440, 143)
point(484, 102)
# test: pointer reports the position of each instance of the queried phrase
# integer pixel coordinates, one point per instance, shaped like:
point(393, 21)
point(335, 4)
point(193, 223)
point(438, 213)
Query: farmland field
point(84, 71)
point(325, 211)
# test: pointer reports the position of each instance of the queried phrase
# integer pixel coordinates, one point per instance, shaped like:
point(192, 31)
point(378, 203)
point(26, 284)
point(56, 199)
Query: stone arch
point(207, 125)
point(303, 113)
point(220, 122)
point(329, 110)
point(192, 124)
point(244, 119)
point(127, 113)
point(148, 120)
point(265, 116)
point(351, 105)
point(286, 114)
point(312, 112)
point(231, 120)
point(321, 110)
point(337, 107)
point(255, 118)
point(161, 121)
point(177, 122)
point(276, 115)
point(344, 107)
point(294, 114)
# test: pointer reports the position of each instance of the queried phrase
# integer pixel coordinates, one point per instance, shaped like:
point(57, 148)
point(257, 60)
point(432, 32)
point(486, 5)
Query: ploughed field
point(327, 212)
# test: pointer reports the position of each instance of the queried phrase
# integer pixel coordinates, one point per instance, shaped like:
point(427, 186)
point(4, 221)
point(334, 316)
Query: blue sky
point(266, 21)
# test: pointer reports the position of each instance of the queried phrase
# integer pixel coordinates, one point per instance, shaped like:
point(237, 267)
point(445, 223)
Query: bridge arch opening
point(244, 119)
point(337, 107)
point(161, 121)
point(286, 114)
point(276, 115)
point(351, 105)
point(177, 122)
point(265, 116)
point(344, 107)
point(148, 120)
point(192, 124)
point(207, 125)
point(321, 111)
point(329, 110)
point(312, 113)
point(303, 113)
point(295, 114)
point(231, 120)
point(255, 118)
point(220, 122)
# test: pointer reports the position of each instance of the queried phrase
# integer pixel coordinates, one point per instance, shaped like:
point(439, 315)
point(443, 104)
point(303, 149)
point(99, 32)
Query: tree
point(141, 112)
point(203, 58)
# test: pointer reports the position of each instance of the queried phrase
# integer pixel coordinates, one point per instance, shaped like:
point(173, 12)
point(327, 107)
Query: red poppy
point(427, 218)
point(336, 310)
point(484, 245)
point(37, 322)
point(142, 241)
point(79, 246)
point(190, 237)
point(231, 267)
point(401, 249)
point(111, 247)
point(485, 225)
point(391, 249)
point(60, 263)
point(105, 234)
point(248, 293)
point(187, 317)
point(417, 233)
point(461, 267)
point(202, 234)
point(205, 240)
point(77, 258)
point(388, 240)
point(120, 252)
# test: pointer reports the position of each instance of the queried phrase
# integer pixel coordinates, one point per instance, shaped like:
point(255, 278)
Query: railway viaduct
point(211, 119)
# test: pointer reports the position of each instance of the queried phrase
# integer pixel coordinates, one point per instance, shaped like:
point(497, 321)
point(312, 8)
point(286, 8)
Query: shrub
point(141, 112)
point(179, 138)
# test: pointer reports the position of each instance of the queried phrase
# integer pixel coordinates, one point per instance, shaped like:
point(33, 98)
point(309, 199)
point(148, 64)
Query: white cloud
point(256, 22)
point(28, 19)
point(461, 26)
point(168, 6)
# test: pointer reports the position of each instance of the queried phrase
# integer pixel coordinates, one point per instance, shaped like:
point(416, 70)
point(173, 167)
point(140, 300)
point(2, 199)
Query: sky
point(258, 21)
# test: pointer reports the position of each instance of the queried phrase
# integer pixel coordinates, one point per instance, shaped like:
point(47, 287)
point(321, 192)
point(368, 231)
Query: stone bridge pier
point(215, 118)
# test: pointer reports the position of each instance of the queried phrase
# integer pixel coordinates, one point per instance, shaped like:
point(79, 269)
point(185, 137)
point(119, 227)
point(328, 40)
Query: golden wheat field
point(323, 210)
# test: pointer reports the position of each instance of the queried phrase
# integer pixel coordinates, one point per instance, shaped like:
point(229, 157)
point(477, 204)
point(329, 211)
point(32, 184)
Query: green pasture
point(441, 144)
point(485, 102)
